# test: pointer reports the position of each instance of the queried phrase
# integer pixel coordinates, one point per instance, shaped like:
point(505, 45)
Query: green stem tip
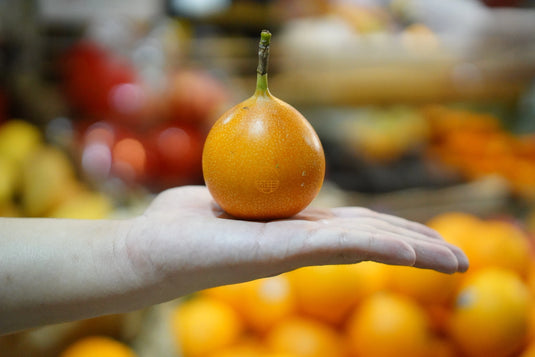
point(265, 37)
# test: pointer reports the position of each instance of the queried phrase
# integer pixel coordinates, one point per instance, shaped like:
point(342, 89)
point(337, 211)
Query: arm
point(55, 270)
point(58, 270)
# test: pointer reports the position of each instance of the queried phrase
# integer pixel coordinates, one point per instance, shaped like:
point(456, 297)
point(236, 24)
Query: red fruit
point(177, 149)
point(95, 81)
point(195, 96)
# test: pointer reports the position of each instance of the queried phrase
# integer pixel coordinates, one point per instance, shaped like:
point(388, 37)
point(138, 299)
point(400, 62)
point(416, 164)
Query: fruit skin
point(85, 204)
point(304, 337)
point(9, 178)
point(203, 325)
point(329, 292)
point(388, 324)
point(19, 140)
point(263, 160)
point(48, 178)
point(98, 346)
point(491, 314)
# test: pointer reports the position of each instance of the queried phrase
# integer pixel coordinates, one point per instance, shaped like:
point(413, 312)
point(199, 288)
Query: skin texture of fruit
point(262, 159)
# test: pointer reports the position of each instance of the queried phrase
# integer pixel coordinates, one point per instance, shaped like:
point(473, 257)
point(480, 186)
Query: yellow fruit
point(100, 346)
point(441, 347)
point(330, 292)
point(388, 325)
point(18, 140)
point(531, 323)
point(261, 303)
point(266, 302)
point(304, 337)
point(9, 209)
point(486, 242)
point(47, 179)
point(456, 227)
point(9, 176)
point(424, 285)
point(247, 347)
point(491, 314)
point(262, 159)
point(529, 351)
point(231, 294)
point(500, 244)
point(203, 325)
point(84, 205)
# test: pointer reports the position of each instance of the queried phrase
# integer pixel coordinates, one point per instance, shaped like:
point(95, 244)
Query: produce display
point(145, 136)
point(477, 144)
point(39, 180)
point(395, 93)
point(370, 309)
point(385, 148)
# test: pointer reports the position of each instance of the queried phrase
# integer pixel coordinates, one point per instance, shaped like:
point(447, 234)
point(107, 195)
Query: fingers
point(462, 259)
point(361, 212)
point(341, 246)
point(421, 241)
point(428, 255)
point(343, 241)
point(409, 230)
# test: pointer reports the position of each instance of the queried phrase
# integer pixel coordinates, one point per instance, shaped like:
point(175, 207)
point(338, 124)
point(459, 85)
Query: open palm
point(185, 240)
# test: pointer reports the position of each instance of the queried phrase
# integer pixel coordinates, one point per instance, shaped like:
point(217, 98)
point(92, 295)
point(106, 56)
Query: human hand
point(184, 242)
point(63, 269)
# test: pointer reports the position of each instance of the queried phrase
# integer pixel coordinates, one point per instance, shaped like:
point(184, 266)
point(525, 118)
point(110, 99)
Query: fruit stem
point(263, 56)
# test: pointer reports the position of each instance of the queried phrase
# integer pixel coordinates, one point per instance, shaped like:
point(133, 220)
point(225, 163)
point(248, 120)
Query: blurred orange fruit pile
point(371, 309)
point(477, 144)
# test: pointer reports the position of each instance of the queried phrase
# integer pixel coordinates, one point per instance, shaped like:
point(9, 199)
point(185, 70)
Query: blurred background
point(424, 108)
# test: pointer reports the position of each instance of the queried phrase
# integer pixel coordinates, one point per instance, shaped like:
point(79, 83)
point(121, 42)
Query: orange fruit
point(441, 347)
point(101, 346)
point(262, 159)
point(387, 324)
point(491, 314)
point(456, 227)
point(330, 292)
point(529, 351)
point(439, 316)
point(202, 325)
point(237, 351)
point(261, 303)
point(531, 277)
point(486, 242)
point(245, 347)
point(500, 244)
point(231, 294)
point(248, 347)
point(267, 301)
point(129, 159)
point(424, 285)
point(304, 337)
point(531, 323)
